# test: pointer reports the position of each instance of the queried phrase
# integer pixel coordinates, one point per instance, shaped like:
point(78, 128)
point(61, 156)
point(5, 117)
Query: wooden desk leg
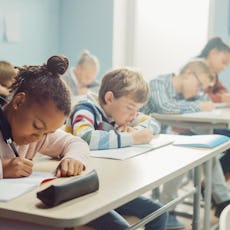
point(196, 201)
point(207, 193)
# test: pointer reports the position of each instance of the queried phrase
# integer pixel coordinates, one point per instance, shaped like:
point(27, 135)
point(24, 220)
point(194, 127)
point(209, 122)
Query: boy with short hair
point(112, 121)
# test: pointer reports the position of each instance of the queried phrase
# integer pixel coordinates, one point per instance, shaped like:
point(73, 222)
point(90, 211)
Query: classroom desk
point(218, 118)
point(120, 182)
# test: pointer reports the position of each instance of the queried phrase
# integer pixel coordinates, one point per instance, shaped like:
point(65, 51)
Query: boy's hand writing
point(69, 167)
point(16, 167)
point(125, 128)
point(142, 136)
point(225, 97)
point(206, 105)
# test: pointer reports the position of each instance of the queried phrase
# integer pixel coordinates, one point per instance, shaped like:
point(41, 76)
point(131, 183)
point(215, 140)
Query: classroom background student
point(82, 78)
point(7, 75)
point(183, 93)
point(217, 55)
point(172, 93)
point(112, 120)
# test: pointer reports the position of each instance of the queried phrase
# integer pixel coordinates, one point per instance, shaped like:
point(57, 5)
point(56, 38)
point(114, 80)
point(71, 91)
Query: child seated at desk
point(112, 121)
point(81, 79)
point(217, 55)
point(184, 93)
point(39, 106)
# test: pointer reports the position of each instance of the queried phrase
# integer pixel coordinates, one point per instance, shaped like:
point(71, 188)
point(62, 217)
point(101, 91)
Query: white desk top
point(120, 182)
point(216, 116)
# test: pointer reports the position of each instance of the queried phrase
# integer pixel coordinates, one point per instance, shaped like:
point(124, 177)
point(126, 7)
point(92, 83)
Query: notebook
point(204, 141)
point(11, 188)
point(134, 150)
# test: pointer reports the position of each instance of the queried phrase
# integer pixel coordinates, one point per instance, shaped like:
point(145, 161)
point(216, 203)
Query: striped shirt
point(89, 121)
point(164, 98)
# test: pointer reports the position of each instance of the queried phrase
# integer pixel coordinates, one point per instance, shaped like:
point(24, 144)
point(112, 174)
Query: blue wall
point(49, 27)
point(87, 24)
point(39, 33)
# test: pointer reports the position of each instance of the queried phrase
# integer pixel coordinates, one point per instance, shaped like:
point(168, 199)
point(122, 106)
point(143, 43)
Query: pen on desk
point(11, 145)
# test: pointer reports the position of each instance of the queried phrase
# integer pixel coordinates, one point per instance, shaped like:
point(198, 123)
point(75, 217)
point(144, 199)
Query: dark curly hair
point(43, 83)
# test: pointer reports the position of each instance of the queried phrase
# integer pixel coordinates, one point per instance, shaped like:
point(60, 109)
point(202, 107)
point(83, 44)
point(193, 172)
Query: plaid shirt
point(165, 99)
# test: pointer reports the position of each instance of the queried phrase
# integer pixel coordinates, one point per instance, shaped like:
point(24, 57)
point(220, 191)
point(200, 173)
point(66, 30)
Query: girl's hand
point(16, 167)
point(69, 167)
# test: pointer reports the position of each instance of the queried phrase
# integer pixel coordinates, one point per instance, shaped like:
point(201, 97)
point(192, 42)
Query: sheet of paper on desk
point(206, 141)
point(222, 105)
point(13, 187)
point(212, 113)
point(128, 152)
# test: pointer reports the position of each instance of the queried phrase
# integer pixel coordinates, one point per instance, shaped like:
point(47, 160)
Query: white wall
point(123, 32)
point(161, 35)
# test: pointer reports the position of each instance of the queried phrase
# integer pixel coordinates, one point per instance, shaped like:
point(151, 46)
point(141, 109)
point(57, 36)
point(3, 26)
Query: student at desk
point(217, 55)
point(81, 78)
point(112, 121)
point(182, 93)
point(29, 123)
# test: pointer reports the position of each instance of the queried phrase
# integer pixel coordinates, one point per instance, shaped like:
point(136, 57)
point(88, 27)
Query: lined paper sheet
point(13, 187)
point(127, 152)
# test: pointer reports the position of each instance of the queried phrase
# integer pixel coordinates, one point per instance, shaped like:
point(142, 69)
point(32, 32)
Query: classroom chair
point(224, 221)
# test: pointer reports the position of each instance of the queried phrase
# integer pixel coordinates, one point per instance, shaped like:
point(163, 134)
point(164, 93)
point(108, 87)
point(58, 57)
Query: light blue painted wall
point(221, 28)
point(39, 33)
point(49, 27)
point(87, 24)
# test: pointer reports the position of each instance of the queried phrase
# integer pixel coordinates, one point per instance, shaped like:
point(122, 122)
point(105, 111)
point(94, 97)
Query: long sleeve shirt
point(56, 145)
point(164, 98)
point(90, 122)
point(216, 91)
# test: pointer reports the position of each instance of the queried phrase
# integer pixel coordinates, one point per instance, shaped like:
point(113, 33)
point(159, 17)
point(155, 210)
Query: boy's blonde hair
point(124, 82)
point(199, 66)
point(7, 72)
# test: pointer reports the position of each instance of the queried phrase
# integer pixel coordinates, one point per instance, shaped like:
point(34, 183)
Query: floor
point(188, 222)
point(188, 208)
point(185, 207)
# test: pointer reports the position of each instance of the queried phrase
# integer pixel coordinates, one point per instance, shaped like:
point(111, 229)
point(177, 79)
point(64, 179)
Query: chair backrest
point(224, 221)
